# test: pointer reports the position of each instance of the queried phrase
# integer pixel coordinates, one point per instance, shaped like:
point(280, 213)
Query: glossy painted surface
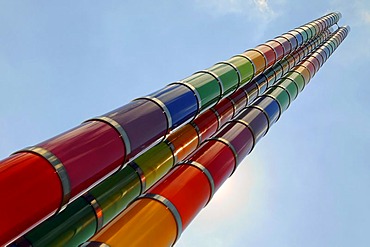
point(278, 69)
point(258, 60)
point(270, 106)
point(245, 67)
point(303, 33)
point(73, 226)
point(311, 68)
point(88, 152)
point(155, 162)
point(281, 96)
point(187, 188)
point(252, 90)
point(285, 65)
point(291, 61)
point(261, 81)
point(225, 110)
point(287, 48)
point(239, 136)
point(292, 40)
point(207, 124)
point(268, 53)
point(298, 37)
point(143, 121)
point(218, 158)
point(271, 76)
point(207, 87)
point(278, 48)
point(304, 72)
point(297, 78)
point(131, 227)
point(228, 75)
point(290, 86)
point(116, 192)
point(240, 99)
point(256, 120)
point(32, 188)
point(180, 102)
point(185, 140)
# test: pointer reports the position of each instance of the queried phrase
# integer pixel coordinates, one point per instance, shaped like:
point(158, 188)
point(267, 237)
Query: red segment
point(269, 54)
point(207, 123)
point(315, 62)
point(240, 99)
point(225, 109)
point(88, 152)
point(239, 136)
point(30, 192)
point(187, 188)
point(309, 65)
point(218, 158)
point(285, 43)
point(278, 48)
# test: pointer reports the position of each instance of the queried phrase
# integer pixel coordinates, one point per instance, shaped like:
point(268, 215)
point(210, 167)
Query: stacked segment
point(74, 161)
point(170, 205)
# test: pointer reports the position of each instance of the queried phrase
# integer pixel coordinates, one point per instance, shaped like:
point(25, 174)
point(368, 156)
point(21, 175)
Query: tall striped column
point(87, 215)
point(44, 178)
point(160, 215)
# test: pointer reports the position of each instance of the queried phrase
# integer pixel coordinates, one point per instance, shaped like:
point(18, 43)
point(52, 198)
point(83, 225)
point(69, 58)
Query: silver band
point(173, 150)
point(59, 169)
point(227, 143)
point(161, 105)
point(254, 66)
point(198, 132)
point(119, 129)
point(280, 107)
point(237, 72)
point(249, 127)
point(218, 117)
point(217, 79)
point(206, 172)
point(233, 103)
point(192, 88)
point(289, 96)
point(141, 175)
point(171, 207)
point(97, 210)
point(93, 244)
point(265, 113)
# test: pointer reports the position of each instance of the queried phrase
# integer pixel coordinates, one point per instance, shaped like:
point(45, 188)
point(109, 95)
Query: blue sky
point(306, 182)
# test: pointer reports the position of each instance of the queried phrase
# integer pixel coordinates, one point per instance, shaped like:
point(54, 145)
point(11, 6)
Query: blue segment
point(299, 39)
point(328, 50)
point(270, 106)
point(261, 80)
point(180, 102)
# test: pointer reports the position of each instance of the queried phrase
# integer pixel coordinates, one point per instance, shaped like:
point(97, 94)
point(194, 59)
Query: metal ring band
point(195, 126)
point(273, 49)
point(301, 65)
point(276, 77)
point(284, 52)
point(268, 81)
point(118, 128)
point(280, 107)
point(234, 106)
point(290, 43)
point(97, 210)
point(317, 53)
point(314, 73)
point(227, 143)
point(295, 38)
point(93, 244)
point(161, 105)
point(171, 207)
point(217, 79)
point(258, 87)
point(300, 28)
point(140, 173)
point(304, 81)
point(193, 89)
point(237, 72)
point(295, 84)
point(266, 115)
point(241, 121)
point(318, 62)
point(173, 150)
point(246, 96)
point(59, 169)
point(289, 96)
point(254, 67)
point(263, 54)
point(204, 170)
point(217, 116)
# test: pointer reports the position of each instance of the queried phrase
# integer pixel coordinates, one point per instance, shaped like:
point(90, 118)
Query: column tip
point(347, 27)
point(339, 14)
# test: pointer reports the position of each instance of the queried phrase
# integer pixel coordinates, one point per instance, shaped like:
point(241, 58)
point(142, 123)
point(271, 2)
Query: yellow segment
point(146, 222)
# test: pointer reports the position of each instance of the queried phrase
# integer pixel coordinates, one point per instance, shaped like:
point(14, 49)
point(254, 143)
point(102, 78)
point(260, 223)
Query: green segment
point(281, 95)
point(245, 67)
point(290, 86)
point(308, 31)
point(228, 76)
point(155, 163)
point(71, 227)
point(207, 87)
point(116, 192)
point(297, 78)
